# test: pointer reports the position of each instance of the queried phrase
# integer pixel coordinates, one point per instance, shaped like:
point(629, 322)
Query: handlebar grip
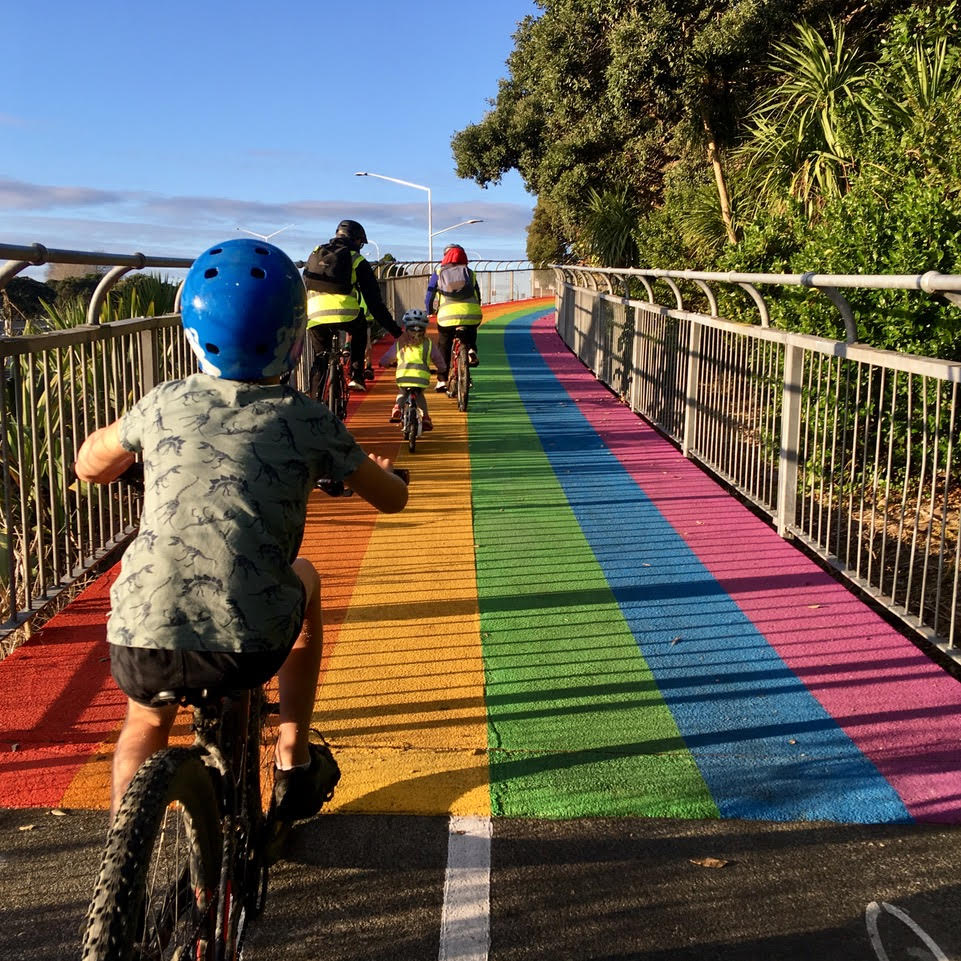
point(132, 477)
point(334, 488)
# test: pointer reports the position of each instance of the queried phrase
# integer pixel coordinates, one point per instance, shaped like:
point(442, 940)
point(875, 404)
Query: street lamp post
point(407, 183)
point(463, 223)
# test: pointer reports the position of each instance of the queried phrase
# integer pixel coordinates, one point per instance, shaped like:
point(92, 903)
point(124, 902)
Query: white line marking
point(871, 918)
point(465, 918)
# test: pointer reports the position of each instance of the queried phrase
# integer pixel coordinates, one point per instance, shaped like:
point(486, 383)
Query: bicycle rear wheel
point(156, 893)
point(463, 378)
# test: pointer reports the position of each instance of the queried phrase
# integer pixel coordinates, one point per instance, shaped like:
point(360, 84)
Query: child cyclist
point(413, 364)
point(212, 593)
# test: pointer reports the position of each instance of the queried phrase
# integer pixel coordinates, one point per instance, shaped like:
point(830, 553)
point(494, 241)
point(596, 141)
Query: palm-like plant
point(801, 134)
point(926, 81)
point(608, 227)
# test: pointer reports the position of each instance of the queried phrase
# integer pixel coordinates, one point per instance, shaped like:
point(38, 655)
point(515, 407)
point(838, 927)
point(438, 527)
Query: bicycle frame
point(227, 730)
point(411, 417)
point(458, 372)
point(335, 392)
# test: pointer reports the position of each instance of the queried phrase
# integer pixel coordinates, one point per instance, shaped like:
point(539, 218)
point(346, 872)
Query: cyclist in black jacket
point(327, 310)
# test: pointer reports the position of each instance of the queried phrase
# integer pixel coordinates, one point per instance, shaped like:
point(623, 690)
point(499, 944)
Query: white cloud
point(83, 218)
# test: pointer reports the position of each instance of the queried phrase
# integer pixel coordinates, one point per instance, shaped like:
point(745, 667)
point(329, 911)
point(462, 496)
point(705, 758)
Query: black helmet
point(353, 232)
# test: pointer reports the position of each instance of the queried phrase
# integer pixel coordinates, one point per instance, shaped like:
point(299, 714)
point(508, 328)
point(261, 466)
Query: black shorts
point(143, 672)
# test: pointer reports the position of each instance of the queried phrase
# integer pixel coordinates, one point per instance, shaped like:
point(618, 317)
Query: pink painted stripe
point(896, 705)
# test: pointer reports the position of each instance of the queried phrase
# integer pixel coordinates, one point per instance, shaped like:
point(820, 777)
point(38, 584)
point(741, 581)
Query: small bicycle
point(458, 375)
point(411, 417)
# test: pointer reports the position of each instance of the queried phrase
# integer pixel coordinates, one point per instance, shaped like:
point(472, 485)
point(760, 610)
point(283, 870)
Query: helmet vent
point(216, 250)
point(210, 272)
point(262, 251)
point(258, 272)
point(212, 348)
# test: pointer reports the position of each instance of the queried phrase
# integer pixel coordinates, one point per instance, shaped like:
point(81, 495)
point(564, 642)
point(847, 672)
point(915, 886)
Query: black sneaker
point(300, 793)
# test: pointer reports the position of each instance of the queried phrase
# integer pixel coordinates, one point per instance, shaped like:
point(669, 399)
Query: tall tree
point(607, 95)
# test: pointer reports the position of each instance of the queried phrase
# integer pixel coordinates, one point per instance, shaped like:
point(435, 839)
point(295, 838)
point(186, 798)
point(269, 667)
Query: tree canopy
point(608, 95)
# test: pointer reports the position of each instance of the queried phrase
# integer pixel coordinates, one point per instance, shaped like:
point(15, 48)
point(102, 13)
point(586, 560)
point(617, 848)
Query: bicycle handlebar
point(334, 488)
point(133, 477)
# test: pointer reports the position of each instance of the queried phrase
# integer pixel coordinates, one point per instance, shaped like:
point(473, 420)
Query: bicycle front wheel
point(410, 425)
point(261, 847)
point(156, 893)
point(463, 379)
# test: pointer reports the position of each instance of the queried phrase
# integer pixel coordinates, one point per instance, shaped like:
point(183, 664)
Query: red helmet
point(454, 254)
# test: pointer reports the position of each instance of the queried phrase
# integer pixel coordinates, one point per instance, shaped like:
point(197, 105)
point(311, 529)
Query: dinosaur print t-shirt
point(228, 468)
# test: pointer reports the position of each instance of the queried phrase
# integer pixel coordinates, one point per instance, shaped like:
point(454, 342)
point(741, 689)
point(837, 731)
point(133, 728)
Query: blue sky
point(161, 128)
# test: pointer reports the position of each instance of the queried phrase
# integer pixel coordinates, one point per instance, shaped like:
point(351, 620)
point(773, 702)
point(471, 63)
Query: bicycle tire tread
point(172, 775)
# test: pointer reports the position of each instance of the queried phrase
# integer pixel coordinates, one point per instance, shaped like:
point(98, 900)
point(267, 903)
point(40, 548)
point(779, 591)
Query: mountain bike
point(185, 866)
point(411, 417)
point(334, 390)
point(458, 374)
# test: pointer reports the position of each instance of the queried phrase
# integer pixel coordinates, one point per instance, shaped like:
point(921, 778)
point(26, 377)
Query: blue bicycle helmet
point(415, 320)
point(244, 310)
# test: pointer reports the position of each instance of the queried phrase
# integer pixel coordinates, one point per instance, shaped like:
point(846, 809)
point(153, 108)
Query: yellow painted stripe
point(402, 699)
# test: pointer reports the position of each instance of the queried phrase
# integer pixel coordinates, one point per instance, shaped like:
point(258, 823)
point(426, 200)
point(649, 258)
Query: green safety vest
point(464, 313)
point(413, 365)
point(335, 308)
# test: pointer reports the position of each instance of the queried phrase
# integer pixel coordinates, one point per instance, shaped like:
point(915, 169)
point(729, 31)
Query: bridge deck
point(568, 620)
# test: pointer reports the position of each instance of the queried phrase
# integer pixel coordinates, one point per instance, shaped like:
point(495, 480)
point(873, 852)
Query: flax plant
point(801, 134)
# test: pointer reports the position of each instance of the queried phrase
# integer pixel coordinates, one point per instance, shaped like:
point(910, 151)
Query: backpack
point(330, 269)
point(454, 281)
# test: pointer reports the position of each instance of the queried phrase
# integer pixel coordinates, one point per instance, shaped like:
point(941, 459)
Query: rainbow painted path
point(568, 620)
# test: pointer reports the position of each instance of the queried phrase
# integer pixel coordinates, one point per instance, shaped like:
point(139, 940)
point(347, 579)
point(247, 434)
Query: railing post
point(785, 515)
point(636, 364)
point(693, 383)
point(149, 370)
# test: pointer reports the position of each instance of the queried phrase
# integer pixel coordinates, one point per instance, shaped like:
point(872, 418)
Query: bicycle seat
point(194, 696)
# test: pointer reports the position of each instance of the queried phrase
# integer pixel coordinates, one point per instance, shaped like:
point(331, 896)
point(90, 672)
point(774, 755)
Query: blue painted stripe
point(765, 746)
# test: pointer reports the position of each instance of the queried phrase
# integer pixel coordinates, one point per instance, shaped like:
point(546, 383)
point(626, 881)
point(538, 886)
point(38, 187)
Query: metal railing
point(60, 385)
point(852, 450)
point(405, 284)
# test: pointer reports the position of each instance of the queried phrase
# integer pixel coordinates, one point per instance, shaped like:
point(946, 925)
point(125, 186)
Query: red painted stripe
point(57, 701)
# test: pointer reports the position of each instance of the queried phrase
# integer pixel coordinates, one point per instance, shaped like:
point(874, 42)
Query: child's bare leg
point(145, 731)
point(298, 675)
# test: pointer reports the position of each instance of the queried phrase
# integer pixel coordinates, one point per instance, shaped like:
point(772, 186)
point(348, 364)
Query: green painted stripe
point(576, 725)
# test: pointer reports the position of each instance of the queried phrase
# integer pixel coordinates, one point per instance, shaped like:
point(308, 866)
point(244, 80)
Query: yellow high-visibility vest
point(335, 308)
point(413, 365)
point(454, 313)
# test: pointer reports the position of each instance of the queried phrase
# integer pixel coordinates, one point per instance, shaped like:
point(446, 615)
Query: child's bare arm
point(378, 485)
point(102, 458)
